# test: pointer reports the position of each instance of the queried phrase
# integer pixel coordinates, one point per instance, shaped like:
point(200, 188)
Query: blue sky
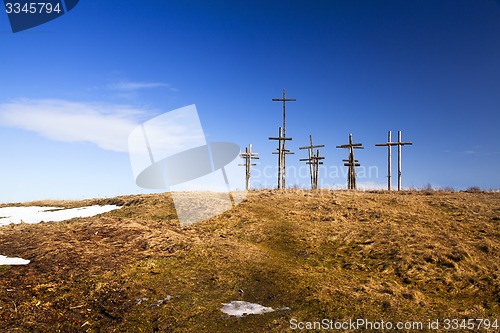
point(71, 89)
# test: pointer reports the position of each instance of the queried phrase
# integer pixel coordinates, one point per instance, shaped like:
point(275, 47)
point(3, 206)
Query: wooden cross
point(283, 143)
point(284, 100)
point(314, 161)
point(248, 155)
point(282, 152)
point(351, 162)
point(389, 145)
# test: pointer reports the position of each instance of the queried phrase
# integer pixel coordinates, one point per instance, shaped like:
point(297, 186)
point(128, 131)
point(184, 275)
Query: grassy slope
point(339, 255)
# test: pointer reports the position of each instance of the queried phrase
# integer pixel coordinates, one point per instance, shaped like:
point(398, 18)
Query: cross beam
point(248, 155)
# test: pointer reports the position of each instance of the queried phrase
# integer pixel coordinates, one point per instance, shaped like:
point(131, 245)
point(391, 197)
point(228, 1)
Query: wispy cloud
point(109, 126)
point(472, 153)
point(129, 86)
point(106, 125)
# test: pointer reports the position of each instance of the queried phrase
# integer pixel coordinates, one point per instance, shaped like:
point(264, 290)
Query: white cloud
point(134, 86)
point(106, 125)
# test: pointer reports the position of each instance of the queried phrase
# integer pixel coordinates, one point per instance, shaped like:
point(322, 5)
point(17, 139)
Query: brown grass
point(339, 255)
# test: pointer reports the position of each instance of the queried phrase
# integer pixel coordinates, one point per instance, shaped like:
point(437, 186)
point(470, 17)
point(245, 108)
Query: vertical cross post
point(400, 146)
point(351, 162)
point(310, 153)
point(316, 162)
point(283, 143)
point(389, 145)
point(248, 155)
point(399, 161)
point(284, 100)
point(282, 152)
point(389, 163)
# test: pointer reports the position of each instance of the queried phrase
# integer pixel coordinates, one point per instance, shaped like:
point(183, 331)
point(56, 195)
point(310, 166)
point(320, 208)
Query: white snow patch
point(12, 261)
point(37, 214)
point(242, 308)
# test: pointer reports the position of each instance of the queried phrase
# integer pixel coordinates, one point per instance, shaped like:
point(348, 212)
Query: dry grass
point(340, 255)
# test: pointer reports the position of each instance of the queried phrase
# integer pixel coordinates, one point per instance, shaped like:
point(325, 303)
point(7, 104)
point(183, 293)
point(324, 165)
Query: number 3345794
point(32, 8)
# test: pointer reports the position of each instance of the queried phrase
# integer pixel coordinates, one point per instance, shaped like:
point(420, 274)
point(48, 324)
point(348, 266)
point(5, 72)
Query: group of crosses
point(314, 159)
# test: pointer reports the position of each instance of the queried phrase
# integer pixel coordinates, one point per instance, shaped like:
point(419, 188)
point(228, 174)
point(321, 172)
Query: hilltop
point(341, 255)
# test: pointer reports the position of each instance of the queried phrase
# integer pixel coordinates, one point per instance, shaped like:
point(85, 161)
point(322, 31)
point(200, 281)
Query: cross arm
point(312, 147)
point(280, 138)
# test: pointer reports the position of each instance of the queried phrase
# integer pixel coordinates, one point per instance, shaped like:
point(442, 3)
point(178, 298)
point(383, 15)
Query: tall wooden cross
point(351, 162)
point(314, 160)
point(282, 167)
point(389, 145)
point(282, 152)
point(284, 100)
point(248, 155)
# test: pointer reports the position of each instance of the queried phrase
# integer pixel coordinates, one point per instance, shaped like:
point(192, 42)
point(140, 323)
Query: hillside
point(341, 255)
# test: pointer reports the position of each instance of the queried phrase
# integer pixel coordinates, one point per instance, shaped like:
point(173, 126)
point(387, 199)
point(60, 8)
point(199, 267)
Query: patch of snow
point(285, 308)
point(12, 261)
point(160, 301)
point(139, 301)
point(242, 308)
point(36, 214)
